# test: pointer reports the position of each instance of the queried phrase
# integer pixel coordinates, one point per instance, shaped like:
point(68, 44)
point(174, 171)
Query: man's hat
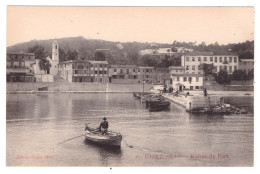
point(104, 118)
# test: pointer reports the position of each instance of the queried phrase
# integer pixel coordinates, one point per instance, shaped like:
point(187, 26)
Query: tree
point(44, 64)
point(38, 51)
point(99, 56)
point(62, 55)
point(208, 69)
point(239, 75)
point(72, 55)
point(148, 60)
point(132, 57)
point(222, 77)
point(174, 49)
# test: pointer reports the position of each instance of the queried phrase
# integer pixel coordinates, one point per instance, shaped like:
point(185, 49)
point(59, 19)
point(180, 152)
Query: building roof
point(187, 75)
point(98, 62)
point(26, 54)
point(161, 68)
point(247, 60)
point(123, 66)
point(146, 67)
point(197, 53)
point(176, 68)
point(72, 61)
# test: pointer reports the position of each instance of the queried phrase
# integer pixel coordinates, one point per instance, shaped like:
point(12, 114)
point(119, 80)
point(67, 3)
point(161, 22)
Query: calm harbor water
point(37, 123)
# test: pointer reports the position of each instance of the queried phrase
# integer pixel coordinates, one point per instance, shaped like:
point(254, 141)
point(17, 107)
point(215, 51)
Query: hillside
point(127, 52)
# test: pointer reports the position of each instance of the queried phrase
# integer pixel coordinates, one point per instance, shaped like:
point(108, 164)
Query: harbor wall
point(203, 101)
point(199, 101)
point(84, 87)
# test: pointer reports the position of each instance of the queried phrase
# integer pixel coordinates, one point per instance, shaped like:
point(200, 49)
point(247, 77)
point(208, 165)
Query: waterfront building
point(246, 65)
point(192, 61)
point(75, 71)
point(20, 67)
point(99, 71)
point(123, 74)
point(162, 76)
point(187, 81)
point(182, 81)
point(146, 74)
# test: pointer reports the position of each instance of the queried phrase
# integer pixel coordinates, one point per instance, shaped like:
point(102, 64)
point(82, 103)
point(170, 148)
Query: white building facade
point(182, 81)
point(192, 61)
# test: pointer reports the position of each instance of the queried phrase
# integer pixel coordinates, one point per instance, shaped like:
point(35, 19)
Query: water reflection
point(36, 123)
point(208, 118)
point(105, 153)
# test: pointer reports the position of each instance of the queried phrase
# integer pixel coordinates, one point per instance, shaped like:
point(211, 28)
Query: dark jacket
point(103, 124)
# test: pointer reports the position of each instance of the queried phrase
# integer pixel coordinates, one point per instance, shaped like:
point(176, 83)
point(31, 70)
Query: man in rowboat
point(103, 126)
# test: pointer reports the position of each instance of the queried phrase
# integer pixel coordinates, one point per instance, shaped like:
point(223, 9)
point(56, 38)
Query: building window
point(76, 72)
point(187, 67)
point(211, 59)
point(187, 58)
point(230, 59)
point(230, 68)
point(205, 58)
point(196, 87)
point(85, 71)
point(220, 68)
point(193, 58)
point(197, 79)
point(127, 71)
point(105, 72)
point(133, 70)
point(138, 70)
point(121, 71)
point(193, 67)
point(235, 59)
point(16, 64)
point(199, 59)
point(114, 70)
point(190, 79)
point(220, 59)
point(134, 76)
point(147, 76)
point(235, 68)
point(178, 78)
point(198, 72)
point(95, 72)
point(184, 79)
point(100, 66)
point(225, 59)
point(216, 59)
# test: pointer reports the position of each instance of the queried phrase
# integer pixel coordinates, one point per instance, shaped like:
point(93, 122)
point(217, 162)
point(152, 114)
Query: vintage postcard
point(130, 86)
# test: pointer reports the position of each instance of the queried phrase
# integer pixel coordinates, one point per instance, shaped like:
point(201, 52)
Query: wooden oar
point(72, 138)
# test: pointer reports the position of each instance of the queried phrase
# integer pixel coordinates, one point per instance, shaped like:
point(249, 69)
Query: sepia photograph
point(143, 86)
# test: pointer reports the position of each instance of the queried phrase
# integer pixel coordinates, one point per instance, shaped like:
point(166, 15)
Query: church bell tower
point(55, 51)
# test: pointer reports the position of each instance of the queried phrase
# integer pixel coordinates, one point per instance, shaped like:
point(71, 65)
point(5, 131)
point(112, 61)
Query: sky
point(143, 24)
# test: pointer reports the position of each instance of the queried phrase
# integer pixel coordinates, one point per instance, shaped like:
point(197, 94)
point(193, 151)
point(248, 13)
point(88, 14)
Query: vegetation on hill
point(125, 52)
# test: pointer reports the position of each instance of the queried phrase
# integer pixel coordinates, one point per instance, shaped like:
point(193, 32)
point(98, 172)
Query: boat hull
point(112, 139)
point(158, 105)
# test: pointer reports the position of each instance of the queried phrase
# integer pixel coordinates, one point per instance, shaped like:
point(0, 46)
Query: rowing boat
point(112, 139)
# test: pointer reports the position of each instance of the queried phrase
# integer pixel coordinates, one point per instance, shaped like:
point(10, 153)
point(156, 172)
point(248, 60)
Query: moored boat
point(112, 139)
point(159, 105)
